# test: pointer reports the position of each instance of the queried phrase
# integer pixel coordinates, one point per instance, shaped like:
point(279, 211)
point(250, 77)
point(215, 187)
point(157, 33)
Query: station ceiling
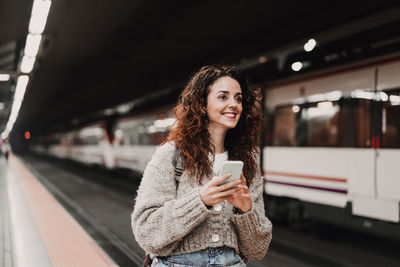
point(96, 54)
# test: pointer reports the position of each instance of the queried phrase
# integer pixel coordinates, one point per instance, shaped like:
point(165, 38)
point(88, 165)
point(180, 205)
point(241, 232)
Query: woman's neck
point(217, 138)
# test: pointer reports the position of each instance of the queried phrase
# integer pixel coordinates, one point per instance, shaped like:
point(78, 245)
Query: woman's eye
point(223, 97)
point(239, 99)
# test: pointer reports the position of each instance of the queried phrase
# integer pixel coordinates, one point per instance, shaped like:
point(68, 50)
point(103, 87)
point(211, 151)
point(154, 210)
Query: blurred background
point(87, 90)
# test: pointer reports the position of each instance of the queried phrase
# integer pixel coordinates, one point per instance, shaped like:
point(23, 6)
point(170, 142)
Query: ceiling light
point(362, 94)
point(32, 44)
point(4, 77)
point(383, 96)
point(36, 25)
point(27, 64)
point(40, 11)
point(22, 83)
point(263, 59)
point(297, 66)
point(310, 45)
point(41, 8)
point(4, 135)
point(325, 104)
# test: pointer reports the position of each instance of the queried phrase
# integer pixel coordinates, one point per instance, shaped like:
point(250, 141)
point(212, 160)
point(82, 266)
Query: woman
point(192, 220)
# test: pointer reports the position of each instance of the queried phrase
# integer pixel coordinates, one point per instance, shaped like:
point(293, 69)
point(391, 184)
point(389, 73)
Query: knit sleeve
point(254, 228)
point(160, 220)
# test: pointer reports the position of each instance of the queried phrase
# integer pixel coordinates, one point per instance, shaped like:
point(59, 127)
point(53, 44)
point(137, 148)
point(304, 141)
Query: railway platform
point(35, 229)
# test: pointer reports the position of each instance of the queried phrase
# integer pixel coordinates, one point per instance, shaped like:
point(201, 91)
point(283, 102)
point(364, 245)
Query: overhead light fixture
point(295, 108)
point(40, 8)
point(310, 45)
point(4, 77)
point(32, 44)
point(37, 23)
point(263, 59)
point(325, 104)
point(394, 100)
point(383, 96)
point(362, 94)
point(22, 83)
point(4, 135)
point(27, 64)
point(296, 66)
point(40, 11)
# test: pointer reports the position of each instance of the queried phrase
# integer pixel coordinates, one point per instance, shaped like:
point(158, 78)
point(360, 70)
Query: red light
point(27, 135)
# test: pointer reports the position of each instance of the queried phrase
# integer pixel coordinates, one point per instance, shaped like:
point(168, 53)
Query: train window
point(143, 135)
point(341, 123)
point(91, 136)
point(322, 123)
point(76, 141)
point(158, 130)
point(284, 128)
point(133, 136)
point(391, 120)
point(362, 123)
point(90, 140)
point(268, 134)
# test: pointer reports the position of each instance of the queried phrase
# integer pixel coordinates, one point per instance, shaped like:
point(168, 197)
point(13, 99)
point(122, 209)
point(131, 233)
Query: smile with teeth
point(230, 115)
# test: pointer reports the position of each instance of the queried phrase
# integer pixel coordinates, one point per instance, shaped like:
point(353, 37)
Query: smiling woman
point(224, 106)
point(184, 213)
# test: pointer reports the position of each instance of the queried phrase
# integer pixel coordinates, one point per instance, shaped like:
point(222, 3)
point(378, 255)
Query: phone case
point(233, 166)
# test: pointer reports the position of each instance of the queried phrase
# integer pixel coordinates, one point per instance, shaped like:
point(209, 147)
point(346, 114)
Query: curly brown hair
point(190, 132)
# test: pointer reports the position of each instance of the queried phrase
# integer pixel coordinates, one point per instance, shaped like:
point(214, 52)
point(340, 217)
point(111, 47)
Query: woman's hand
point(212, 193)
point(241, 199)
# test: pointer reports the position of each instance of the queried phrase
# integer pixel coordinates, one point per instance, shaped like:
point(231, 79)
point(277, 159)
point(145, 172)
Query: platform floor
point(35, 229)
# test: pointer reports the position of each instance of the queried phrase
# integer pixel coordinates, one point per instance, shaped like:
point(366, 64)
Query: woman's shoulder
point(166, 147)
point(164, 151)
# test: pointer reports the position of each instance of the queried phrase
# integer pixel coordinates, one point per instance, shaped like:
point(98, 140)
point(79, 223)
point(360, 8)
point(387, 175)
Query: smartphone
point(231, 166)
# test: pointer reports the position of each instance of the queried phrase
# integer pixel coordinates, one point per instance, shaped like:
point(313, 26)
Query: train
point(329, 150)
point(128, 144)
point(332, 146)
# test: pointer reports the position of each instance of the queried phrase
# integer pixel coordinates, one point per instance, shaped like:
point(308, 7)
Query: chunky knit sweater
point(170, 218)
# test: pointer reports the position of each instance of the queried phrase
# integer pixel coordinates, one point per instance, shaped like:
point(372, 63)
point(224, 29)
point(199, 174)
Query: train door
point(383, 204)
point(388, 154)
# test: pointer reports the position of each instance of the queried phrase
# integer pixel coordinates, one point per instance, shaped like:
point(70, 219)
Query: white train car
point(333, 140)
point(136, 138)
point(90, 145)
point(129, 145)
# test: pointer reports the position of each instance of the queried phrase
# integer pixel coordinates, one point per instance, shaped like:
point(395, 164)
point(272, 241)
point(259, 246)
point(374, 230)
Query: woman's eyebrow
point(227, 92)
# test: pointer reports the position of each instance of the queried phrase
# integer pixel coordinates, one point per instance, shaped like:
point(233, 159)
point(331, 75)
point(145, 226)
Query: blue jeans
point(222, 256)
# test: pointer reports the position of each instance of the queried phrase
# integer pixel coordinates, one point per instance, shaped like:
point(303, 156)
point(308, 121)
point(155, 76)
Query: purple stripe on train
point(340, 191)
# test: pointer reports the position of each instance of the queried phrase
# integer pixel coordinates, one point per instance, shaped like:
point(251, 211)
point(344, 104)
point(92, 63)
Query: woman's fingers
point(228, 185)
point(219, 179)
point(227, 193)
point(244, 187)
point(213, 193)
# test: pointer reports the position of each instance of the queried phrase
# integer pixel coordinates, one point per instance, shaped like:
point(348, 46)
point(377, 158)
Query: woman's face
point(224, 104)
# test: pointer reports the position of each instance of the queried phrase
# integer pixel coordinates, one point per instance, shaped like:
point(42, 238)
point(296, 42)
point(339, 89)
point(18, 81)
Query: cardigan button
point(215, 238)
point(217, 207)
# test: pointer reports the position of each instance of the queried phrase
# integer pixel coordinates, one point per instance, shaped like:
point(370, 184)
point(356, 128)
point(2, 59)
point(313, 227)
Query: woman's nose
point(232, 102)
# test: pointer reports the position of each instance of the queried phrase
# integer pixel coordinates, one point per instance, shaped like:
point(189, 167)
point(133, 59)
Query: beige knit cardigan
point(170, 218)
